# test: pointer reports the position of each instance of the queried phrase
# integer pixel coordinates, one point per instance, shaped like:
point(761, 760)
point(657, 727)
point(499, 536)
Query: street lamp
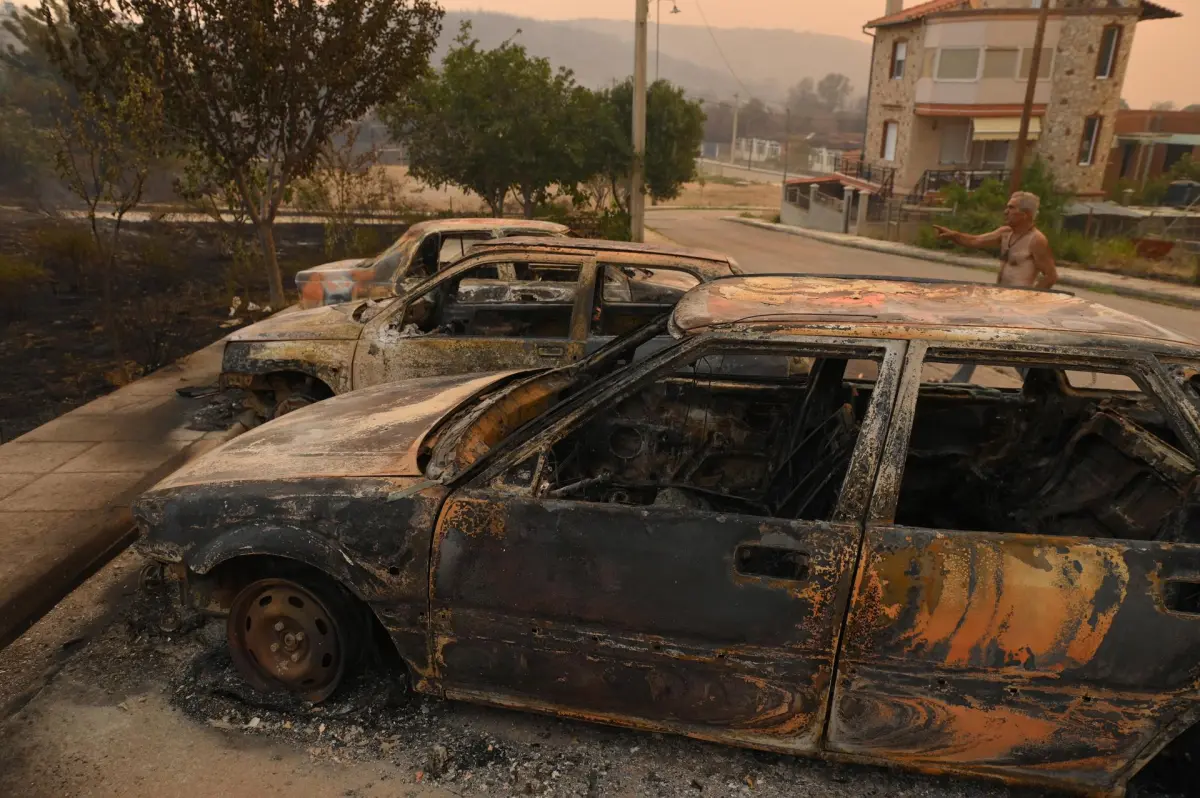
point(658, 32)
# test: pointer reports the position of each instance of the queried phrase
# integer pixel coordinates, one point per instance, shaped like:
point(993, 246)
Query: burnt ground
point(144, 701)
point(175, 284)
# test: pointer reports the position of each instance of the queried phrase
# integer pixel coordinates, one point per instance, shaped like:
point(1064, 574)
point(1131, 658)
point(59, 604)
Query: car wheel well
point(219, 586)
point(282, 384)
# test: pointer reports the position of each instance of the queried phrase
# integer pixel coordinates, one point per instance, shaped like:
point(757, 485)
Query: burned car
point(424, 248)
point(514, 303)
point(787, 530)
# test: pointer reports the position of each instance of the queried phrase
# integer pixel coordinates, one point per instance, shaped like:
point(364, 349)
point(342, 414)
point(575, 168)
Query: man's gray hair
point(1027, 202)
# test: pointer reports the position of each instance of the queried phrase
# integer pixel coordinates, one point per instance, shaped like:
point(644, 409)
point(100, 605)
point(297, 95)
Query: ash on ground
point(221, 408)
point(462, 748)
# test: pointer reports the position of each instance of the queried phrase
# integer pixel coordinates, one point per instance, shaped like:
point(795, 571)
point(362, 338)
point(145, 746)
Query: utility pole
point(657, 36)
point(637, 196)
point(1035, 66)
point(733, 141)
point(787, 140)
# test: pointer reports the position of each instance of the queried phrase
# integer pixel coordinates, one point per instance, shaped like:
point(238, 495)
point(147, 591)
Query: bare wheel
point(287, 636)
point(294, 401)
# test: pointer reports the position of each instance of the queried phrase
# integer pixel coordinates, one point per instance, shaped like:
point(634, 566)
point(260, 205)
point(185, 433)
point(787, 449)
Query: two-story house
point(949, 77)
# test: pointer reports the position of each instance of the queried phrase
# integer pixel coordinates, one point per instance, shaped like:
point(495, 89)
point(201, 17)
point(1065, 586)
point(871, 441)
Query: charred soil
point(173, 289)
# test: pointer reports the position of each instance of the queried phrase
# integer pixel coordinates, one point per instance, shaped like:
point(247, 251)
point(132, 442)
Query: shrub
point(19, 281)
point(1071, 246)
point(1115, 254)
point(66, 251)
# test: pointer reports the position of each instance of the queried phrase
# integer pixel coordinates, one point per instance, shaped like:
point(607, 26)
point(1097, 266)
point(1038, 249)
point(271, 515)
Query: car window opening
point(750, 433)
point(511, 300)
point(1044, 451)
point(630, 296)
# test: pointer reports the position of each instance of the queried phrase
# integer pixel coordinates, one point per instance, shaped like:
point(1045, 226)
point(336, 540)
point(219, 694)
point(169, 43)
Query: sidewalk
point(65, 487)
point(1136, 287)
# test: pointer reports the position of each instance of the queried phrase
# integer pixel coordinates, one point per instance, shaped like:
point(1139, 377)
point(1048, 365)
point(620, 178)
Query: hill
point(767, 62)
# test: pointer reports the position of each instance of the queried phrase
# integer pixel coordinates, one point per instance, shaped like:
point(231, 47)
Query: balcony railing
point(882, 176)
point(928, 188)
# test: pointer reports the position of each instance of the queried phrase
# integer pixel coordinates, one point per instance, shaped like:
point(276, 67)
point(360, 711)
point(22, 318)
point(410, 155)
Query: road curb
point(97, 542)
point(1133, 287)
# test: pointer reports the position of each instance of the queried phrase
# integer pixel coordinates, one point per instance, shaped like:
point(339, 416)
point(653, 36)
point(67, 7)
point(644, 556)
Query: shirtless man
point(1026, 260)
point(1025, 257)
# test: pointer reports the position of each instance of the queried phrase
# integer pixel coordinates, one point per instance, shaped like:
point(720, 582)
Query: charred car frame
point(513, 303)
point(786, 531)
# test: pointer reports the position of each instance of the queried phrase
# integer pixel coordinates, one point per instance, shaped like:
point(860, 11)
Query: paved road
point(759, 250)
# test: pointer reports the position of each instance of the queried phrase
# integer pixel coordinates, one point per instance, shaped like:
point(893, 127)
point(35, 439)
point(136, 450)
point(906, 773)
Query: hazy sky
point(1166, 53)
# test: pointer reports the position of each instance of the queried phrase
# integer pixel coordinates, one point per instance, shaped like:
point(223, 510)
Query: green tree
point(492, 121)
point(255, 89)
point(674, 132)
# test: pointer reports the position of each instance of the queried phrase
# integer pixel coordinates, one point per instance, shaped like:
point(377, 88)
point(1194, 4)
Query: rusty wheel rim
point(293, 402)
point(283, 637)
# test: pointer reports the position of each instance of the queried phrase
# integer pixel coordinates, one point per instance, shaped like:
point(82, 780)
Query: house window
point(1000, 63)
point(1091, 137)
point(891, 131)
point(928, 62)
point(958, 63)
point(1110, 46)
point(1044, 67)
point(993, 154)
point(956, 138)
point(899, 58)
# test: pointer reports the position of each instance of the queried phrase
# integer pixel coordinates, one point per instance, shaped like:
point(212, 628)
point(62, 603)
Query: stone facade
point(894, 99)
point(1077, 94)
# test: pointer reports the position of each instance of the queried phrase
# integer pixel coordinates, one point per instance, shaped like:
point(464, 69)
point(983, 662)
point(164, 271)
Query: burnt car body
point(512, 303)
point(420, 252)
point(785, 531)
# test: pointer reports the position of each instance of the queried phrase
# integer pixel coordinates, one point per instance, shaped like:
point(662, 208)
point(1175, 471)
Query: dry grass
point(420, 197)
point(721, 195)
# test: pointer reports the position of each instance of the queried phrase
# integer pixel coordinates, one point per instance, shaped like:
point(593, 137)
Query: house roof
point(1156, 11)
point(917, 12)
point(1150, 10)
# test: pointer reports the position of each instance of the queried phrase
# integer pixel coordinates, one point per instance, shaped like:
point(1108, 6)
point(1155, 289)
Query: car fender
point(327, 361)
point(288, 542)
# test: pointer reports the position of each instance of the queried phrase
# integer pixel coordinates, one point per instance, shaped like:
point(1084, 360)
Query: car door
point(1032, 646)
point(664, 614)
point(481, 315)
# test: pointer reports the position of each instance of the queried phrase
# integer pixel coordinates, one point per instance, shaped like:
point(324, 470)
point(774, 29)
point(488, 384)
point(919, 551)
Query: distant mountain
point(767, 62)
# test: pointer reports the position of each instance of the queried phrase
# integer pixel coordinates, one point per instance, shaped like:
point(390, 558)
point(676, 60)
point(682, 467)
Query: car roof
point(914, 308)
point(486, 223)
point(605, 245)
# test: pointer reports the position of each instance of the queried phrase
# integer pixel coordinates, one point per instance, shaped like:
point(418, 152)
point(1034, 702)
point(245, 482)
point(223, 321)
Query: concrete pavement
point(66, 487)
point(763, 251)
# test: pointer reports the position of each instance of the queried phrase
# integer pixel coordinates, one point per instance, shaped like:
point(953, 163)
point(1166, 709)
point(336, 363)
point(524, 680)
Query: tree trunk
point(527, 203)
point(266, 236)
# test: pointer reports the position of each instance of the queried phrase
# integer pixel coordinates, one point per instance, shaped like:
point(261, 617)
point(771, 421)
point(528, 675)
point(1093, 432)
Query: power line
point(721, 52)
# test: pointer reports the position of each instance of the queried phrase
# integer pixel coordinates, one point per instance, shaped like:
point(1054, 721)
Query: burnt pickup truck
point(513, 303)
point(424, 248)
point(787, 530)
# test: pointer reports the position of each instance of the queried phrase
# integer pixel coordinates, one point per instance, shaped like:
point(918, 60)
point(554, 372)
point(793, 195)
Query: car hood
point(325, 269)
point(374, 432)
point(342, 322)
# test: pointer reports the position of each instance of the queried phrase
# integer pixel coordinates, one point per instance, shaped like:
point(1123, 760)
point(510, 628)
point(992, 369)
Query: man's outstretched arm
point(968, 240)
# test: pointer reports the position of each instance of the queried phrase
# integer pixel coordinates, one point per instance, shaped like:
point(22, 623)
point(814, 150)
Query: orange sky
point(1166, 53)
